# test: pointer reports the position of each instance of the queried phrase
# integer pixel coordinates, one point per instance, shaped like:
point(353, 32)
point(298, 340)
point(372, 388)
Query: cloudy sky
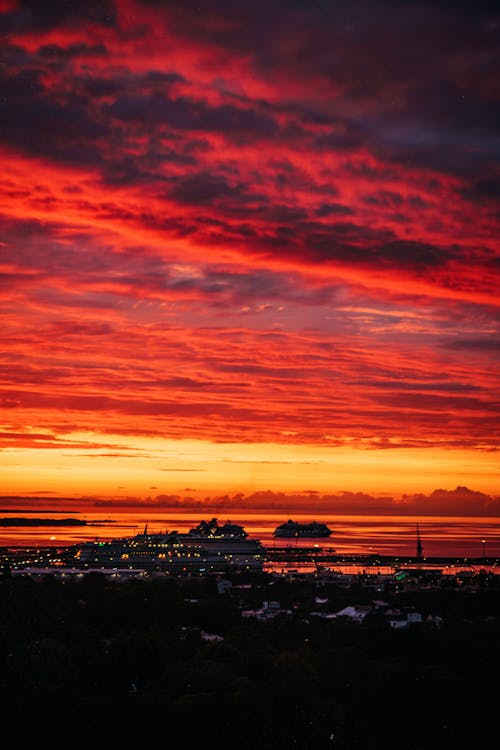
point(249, 245)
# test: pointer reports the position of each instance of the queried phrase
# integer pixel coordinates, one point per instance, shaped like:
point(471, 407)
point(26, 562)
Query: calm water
point(384, 535)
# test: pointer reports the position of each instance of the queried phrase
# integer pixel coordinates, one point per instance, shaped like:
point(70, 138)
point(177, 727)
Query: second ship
point(293, 529)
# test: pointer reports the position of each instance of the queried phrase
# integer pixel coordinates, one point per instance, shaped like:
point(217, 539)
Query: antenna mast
point(420, 549)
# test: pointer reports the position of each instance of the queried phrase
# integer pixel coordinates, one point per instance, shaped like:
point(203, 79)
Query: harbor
point(213, 548)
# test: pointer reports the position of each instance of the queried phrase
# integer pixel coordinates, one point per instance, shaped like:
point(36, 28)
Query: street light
point(483, 542)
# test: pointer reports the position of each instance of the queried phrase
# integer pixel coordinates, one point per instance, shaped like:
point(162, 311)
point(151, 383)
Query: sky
point(249, 247)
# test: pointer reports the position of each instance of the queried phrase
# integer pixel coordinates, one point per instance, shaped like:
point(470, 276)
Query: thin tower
point(420, 549)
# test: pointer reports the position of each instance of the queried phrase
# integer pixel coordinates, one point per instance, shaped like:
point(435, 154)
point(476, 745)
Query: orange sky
point(248, 250)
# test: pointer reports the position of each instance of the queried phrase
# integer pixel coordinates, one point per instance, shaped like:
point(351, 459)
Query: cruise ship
point(228, 542)
point(206, 548)
point(313, 530)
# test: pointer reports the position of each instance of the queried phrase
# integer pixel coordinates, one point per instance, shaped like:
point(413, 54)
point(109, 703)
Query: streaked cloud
point(267, 224)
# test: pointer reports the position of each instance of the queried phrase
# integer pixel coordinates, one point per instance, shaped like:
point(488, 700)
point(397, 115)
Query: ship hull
point(294, 530)
point(302, 535)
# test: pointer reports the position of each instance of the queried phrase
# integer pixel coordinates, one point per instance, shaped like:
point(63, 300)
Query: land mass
point(14, 521)
point(37, 510)
point(165, 651)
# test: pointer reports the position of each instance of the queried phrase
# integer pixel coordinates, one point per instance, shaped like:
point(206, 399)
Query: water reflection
point(353, 535)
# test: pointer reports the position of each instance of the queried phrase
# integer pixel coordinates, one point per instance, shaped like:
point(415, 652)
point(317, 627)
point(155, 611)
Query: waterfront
point(464, 537)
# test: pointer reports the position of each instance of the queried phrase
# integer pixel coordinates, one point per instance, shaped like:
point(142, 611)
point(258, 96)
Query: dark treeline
point(81, 658)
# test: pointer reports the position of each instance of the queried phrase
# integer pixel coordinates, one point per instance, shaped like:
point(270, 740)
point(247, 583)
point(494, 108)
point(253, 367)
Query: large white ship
point(206, 548)
point(229, 542)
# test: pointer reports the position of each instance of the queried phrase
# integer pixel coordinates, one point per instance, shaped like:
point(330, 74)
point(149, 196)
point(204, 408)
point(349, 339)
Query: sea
point(464, 537)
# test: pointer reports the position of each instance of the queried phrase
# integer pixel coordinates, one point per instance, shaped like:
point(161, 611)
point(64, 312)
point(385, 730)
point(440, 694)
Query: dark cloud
point(64, 131)
point(485, 189)
point(413, 254)
point(78, 49)
point(336, 141)
point(232, 288)
point(158, 77)
point(421, 81)
point(184, 113)
point(33, 15)
point(420, 386)
point(470, 8)
point(432, 402)
point(461, 500)
point(21, 83)
point(414, 107)
point(204, 189)
point(333, 209)
point(74, 328)
point(355, 244)
point(384, 198)
point(146, 168)
point(482, 343)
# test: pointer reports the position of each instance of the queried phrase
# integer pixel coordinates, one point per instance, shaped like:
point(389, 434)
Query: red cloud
point(235, 226)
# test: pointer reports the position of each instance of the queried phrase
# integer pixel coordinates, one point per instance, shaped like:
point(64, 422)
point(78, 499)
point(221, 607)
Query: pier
point(321, 556)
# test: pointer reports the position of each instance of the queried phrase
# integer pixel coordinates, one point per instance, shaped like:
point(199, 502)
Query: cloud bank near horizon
point(461, 501)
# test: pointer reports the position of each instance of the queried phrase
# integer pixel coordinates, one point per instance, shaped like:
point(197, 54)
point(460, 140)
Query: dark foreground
point(78, 659)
